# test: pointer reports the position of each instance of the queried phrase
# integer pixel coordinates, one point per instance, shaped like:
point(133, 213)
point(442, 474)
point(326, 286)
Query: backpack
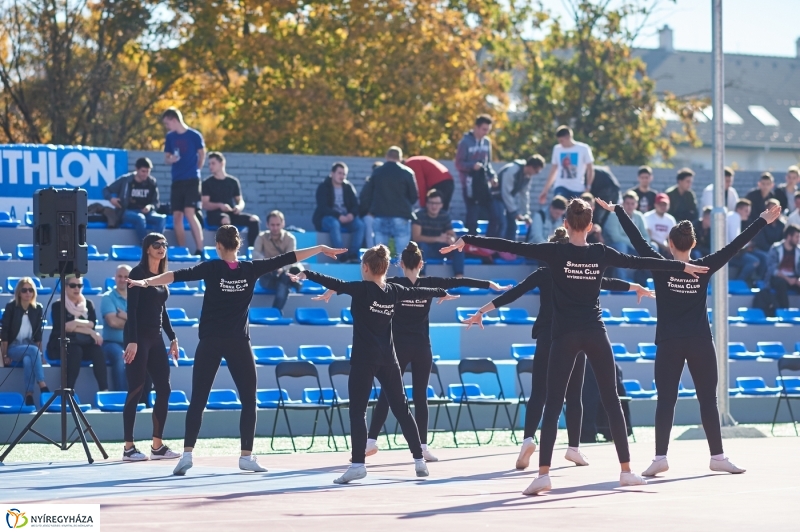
point(478, 181)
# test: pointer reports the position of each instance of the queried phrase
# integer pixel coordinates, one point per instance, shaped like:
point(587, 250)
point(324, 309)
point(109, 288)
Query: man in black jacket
point(391, 196)
point(136, 195)
point(337, 209)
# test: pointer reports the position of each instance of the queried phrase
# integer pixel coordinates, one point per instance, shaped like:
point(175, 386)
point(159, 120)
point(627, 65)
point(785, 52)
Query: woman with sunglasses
point(145, 351)
point(224, 332)
point(22, 336)
point(84, 342)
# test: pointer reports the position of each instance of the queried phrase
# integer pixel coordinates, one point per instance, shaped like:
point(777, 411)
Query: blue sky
point(756, 27)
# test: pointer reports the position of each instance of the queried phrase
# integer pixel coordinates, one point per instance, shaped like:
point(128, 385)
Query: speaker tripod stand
point(68, 403)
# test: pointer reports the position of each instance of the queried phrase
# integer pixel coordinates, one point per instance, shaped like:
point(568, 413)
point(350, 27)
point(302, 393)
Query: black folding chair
point(439, 401)
point(787, 363)
point(479, 366)
point(524, 365)
point(296, 370)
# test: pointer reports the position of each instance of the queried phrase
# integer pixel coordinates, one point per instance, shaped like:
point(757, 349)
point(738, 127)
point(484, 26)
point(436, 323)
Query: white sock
point(574, 449)
point(370, 440)
point(660, 457)
point(356, 466)
point(188, 454)
point(424, 446)
point(718, 456)
point(529, 439)
point(419, 460)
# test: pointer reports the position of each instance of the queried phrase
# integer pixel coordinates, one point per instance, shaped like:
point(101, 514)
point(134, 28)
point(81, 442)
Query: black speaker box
point(59, 232)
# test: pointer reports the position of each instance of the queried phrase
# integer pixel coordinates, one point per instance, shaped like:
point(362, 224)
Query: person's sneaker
point(629, 478)
point(525, 453)
point(163, 453)
point(372, 448)
point(29, 400)
point(133, 455)
point(429, 456)
point(539, 485)
point(198, 252)
point(352, 473)
point(656, 467)
point(250, 463)
point(725, 466)
point(184, 465)
point(576, 457)
point(420, 468)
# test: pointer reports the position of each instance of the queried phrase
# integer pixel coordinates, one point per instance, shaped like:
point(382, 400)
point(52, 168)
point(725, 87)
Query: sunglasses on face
point(159, 245)
point(26, 290)
point(75, 285)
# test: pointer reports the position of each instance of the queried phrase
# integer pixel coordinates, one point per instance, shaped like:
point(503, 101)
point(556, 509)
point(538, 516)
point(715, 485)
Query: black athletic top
point(147, 308)
point(410, 325)
point(229, 292)
point(372, 309)
point(577, 272)
point(681, 300)
point(544, 280)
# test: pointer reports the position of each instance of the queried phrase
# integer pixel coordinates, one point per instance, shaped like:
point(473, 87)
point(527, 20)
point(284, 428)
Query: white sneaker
point(184, 465)
point(525, 453)
point(352, 473)
point(163, 453)
point(428, 456)
point(539, 485)
point(372, 448)
point(725, 466)
point(250, 463)
point(577, 457)
point(421, 468)
point(133, 455)
point(628, 478)
point(656, 467)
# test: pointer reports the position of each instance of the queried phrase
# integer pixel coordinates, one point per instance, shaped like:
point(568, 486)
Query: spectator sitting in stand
point(543, 225)
point(760, 195)
point(787, 191)
point(731, 196)
point(595, 236)
point(794, 217)
point(223, 201)
point(659, 223)
point(337, 208)
point(271, 243)
point(432, 230)
point(702, 231)
point(135, 194)
point(647, 196)
point(746, 261)
point(114, 309)
point(683, 202)
point(515, 193)
point(363, 209)
point(766, 238)
point(430, 174)
point(783, 266)
point(615, 237)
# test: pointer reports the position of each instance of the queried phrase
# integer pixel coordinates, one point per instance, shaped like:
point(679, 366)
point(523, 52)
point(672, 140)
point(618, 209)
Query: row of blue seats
point(131, 253)
point(745, 386)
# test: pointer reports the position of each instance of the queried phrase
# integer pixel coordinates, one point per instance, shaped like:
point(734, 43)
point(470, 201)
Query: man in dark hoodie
point(135, 194)
point(337, 209)
point(473, 154)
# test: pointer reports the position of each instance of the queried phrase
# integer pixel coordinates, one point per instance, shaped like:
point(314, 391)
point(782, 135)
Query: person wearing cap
point(659, 223)
point(683, 202)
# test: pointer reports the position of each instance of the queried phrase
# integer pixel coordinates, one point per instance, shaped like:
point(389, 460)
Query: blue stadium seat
point(682, 390)
point(223, 400)
point(349, 352)
point(265, 291)
point(109, 284)
point(325, 396)
point(25, 251)
point(94, 254)
point(456, 392)
point(309, 287)
point(522, 228)
point(88, 289)
point(468, 291)
point(621, 353)
point(317, 354)
point(457, 224)
point(738, 287)
point(113, 401)
point(181, 254)
point(731, 319)
point(210, 253)
point(346, 316)
point(483, 226)
point(55, 406)
point(7, 221)
point(178, 402)
point(772, 350)
point(14, 403)
point(170, 223)
point(755, 316)
point(126, 253)
point(183, 358)
point(608, 319)
point(638, 316)
point(11, 284)
point(790, 384)
point(788, 315)
point(29, 219)
point(314, 316)
point(647, 350)
point(634, 390)
point(268, 316)
point(271, 397)
point(4, 256)
point(522, 351)
point(179, 318)
point(182, 288)
point(738, 351)
point(462, 313)
point(755, 386)
point(515, 316)
point(270, 355)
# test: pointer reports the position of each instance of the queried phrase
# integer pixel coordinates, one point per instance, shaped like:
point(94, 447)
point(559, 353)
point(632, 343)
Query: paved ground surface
point(469, 489)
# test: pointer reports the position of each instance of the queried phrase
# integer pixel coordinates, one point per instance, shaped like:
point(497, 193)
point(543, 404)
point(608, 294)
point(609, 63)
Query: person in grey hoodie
point(514, 200)
point(474, 153)
point(135, 194)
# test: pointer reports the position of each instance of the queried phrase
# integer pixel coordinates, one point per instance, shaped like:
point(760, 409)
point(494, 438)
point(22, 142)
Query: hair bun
point(412, 246)
point(685, 227)
point(382, 251)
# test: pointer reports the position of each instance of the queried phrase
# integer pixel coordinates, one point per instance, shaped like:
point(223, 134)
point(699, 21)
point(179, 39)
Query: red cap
point(661, 197)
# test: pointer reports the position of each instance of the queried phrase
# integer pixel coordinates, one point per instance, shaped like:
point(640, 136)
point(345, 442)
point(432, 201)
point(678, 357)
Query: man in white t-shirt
point(794, 217)
point(572, 168)
point(731, 196)
point(659, 223)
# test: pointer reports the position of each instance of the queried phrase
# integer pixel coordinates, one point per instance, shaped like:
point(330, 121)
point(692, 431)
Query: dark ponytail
point(411, 256)
point(560, 236)
point(682, 236)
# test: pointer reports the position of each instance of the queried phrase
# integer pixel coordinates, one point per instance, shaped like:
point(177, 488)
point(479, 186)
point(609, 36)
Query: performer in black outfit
point(683, 334)
point(577, 269)
point(224, 332)
point(145, 351)
point(543, 279)
point(373, 356)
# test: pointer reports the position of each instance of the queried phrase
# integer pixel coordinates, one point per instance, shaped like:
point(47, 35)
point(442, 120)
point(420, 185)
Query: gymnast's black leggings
point(151, 357)
point(239, 356)
point(535, 406)
point(359, 388)
point(563, 353)
point(421, 361)
point(700, 355)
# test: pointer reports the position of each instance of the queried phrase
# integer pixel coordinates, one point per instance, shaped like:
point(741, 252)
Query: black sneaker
point(163, 453)
point(29, 400)
point(133, 455)
point(198, 252)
